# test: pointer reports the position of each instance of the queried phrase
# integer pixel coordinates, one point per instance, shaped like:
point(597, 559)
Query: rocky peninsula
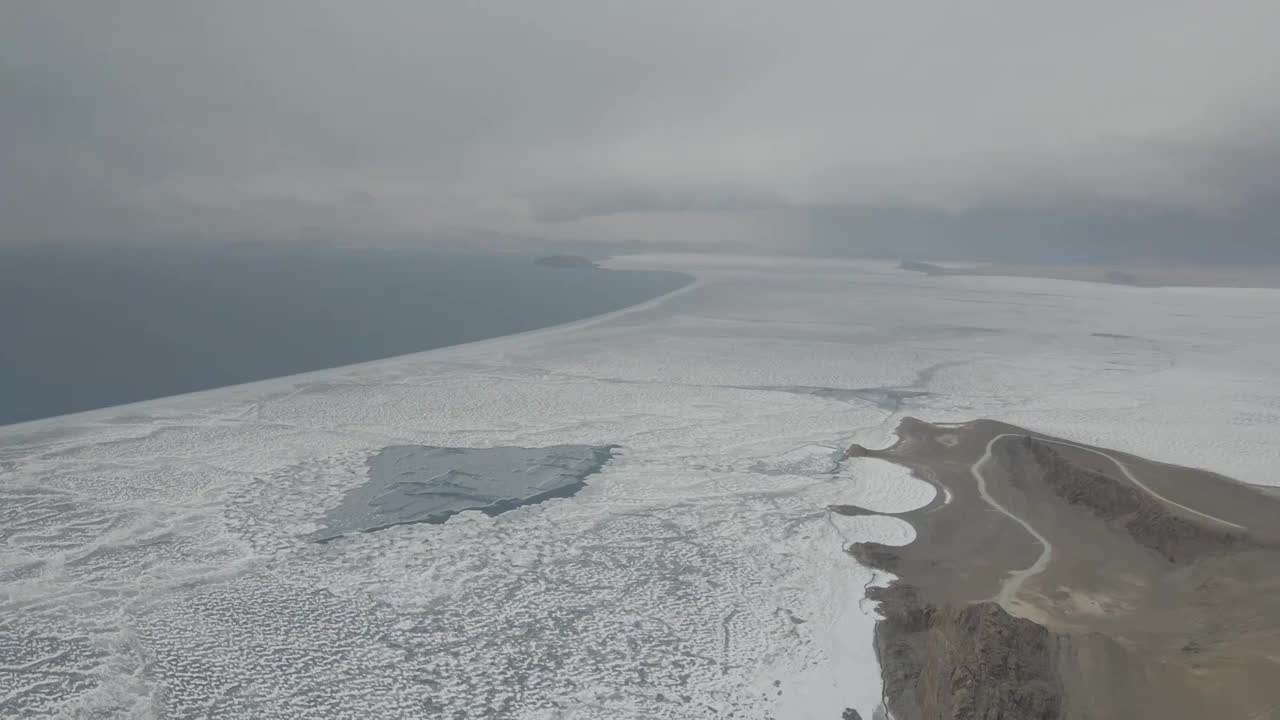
point(1051, 579)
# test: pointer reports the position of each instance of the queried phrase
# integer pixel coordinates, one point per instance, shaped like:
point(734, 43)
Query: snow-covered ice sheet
point(155, 558)
point(884, 487)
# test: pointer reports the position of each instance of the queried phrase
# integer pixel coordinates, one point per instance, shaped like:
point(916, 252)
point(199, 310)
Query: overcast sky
point(831, 125)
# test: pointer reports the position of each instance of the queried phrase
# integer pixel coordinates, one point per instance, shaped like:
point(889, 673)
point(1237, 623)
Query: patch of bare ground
point(1068, 581)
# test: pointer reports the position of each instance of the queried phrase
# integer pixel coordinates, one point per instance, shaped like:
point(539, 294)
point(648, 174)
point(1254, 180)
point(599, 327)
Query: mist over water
point(89, 327)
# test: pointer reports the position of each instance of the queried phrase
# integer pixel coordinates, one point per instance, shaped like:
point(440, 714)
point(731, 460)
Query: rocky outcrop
point(1148, 521)
point(971, 661)
point(872, 554)
point(856, 451)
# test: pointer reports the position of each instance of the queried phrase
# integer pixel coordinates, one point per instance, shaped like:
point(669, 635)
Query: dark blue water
point(86, 328)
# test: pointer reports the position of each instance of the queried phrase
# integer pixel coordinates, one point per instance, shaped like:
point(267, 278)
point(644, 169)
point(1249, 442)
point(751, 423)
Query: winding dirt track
point(1008, 591)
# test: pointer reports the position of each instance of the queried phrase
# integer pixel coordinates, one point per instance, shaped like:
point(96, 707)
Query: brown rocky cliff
point(974, 661)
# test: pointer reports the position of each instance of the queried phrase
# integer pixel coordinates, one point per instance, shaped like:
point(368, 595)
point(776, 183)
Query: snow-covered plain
point(155, 558)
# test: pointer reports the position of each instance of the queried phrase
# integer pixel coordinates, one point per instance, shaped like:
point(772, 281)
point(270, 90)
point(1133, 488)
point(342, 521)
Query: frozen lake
point(158, 559)
point(411, 484)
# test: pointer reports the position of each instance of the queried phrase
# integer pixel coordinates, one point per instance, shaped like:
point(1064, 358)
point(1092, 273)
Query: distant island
point(924, 267)
point(1086, 273)
point(572, 262)
point(1121, 278)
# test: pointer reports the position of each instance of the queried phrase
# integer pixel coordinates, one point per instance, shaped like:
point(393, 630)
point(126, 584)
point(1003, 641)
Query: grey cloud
point(618, 199)
point(804, 123)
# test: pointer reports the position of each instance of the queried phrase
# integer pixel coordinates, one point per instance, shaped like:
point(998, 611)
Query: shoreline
point(1063, 580)
point(293, 379)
